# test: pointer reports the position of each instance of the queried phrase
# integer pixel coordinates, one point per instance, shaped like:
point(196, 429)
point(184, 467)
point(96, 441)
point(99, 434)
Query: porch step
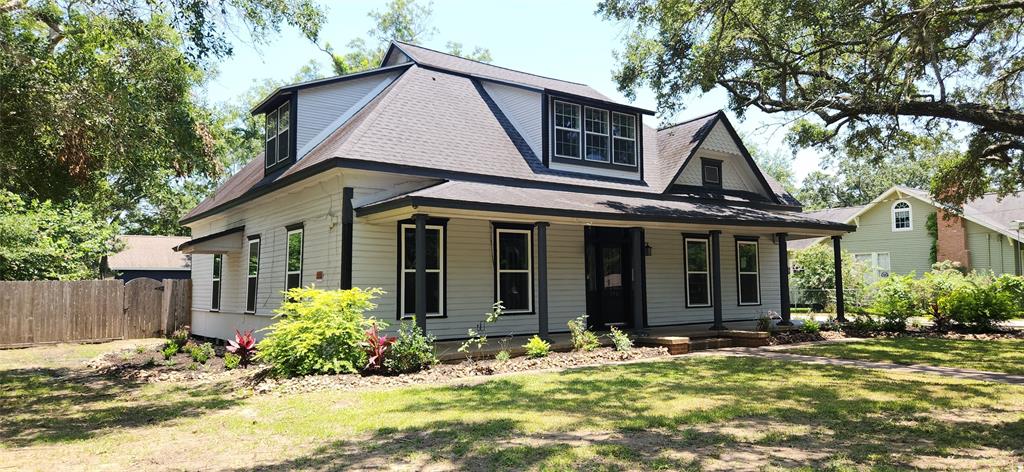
point(704, 344)
point(683, 344)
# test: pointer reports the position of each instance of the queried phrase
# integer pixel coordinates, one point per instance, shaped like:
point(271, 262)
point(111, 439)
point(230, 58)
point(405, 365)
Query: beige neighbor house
point(893, 236)
point(452, 184)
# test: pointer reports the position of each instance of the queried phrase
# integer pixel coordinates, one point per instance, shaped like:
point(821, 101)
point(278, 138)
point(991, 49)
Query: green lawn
point(688, 413)
point(1005, 355)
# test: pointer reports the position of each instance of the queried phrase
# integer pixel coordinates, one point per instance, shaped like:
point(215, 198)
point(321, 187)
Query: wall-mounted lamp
point(647, 250)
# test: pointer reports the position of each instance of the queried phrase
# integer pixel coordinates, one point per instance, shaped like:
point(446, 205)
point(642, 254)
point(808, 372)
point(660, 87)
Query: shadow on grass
point(676, 415)
point(991, 355)
point(59, 405)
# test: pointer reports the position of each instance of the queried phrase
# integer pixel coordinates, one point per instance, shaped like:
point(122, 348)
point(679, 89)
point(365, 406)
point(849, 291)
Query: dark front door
point(608, 278)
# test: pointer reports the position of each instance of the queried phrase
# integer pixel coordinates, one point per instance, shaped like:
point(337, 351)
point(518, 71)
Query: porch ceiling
point(491, 201)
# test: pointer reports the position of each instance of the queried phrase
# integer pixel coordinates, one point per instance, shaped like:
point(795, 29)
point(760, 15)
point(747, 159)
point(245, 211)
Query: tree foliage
point(48, 241)
point(862, 76)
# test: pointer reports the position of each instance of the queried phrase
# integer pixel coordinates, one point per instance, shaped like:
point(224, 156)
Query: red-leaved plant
point(376, 346)
point(244, 346)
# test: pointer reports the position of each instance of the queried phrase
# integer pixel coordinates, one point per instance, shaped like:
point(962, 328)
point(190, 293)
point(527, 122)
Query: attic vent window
point(593, 136)
point(278, 130)
point(711, 172)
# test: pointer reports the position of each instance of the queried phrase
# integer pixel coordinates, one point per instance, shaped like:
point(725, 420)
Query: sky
point(563, 39)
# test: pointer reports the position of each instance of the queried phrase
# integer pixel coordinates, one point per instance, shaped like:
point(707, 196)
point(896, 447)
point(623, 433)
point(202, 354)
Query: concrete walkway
point(967, 374)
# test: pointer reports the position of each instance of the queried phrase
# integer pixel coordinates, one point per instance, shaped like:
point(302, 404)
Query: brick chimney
point(952, 241)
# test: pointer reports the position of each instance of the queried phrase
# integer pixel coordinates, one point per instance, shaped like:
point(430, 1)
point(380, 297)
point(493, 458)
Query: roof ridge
point(691, 120)
point(486, 64)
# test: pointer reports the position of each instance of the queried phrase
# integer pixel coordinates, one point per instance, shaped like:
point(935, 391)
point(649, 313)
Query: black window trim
point(288, 230)
point(706, 238)
point(292, 105)
point(259, 249)
point(709, 162)
point(443, 223)
point(739, 288)
point(219, 280)
point(548, 139)
point(495, 228)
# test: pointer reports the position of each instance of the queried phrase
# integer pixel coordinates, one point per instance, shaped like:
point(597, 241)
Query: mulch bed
point(149, 365)
point(442, 373)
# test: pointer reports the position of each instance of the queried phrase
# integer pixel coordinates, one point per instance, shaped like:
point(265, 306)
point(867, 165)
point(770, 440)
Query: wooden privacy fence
point(48, 311)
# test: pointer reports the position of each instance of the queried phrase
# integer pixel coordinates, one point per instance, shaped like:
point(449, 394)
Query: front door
point(608, 278)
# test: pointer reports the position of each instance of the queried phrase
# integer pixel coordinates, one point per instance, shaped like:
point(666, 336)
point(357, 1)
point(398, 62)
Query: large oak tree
point(860, 77)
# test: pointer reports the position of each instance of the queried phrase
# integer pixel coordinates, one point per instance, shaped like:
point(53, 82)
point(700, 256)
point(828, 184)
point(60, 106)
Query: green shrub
point(583, 339)
point(980, 302)
point(864, 323)
point(180, 335)
point(1014, 286)
point(503, 356)
point(231, 360)
point(764, 323)
point(537, 347)
point(800, 310)
point(941, 280)
point(200, 352)
point(811, 326)
point(895, 300)
point(411, 350)
point(814, 276)
point(620, 340)
point(318, 332)
point(170, 349)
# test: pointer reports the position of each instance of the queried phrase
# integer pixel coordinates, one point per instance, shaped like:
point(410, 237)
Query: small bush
point(478, 336)
point(895, 300)
point(503, 356)
point(811, 326)
point(411, 350)
point(201, 352)
point(170, 349)
point(764, 323)
point(180, 335)
point(620, 340)
point(583, 339)
point(980, 302)
point(537, 347)
point(864, 323)
point(244, 345)
point(232, 360)
point(318, 332)
point(376, 347)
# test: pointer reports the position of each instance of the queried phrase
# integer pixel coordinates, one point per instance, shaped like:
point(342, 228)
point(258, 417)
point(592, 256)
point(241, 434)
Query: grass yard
point(1002, 355)
point(697, 413)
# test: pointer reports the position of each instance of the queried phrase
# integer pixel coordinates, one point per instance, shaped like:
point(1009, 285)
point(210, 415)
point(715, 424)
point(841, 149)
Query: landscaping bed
point(149, 364)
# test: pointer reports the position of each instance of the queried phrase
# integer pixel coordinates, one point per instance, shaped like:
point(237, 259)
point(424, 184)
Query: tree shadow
point(59, 405)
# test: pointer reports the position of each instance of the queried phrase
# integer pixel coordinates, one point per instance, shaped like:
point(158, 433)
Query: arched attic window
point(902, 219)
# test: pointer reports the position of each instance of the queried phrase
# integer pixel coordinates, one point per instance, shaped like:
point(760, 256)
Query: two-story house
point(452, 184)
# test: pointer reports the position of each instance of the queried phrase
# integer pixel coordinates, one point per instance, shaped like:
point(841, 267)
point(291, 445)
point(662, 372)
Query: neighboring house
point(892, 234)
point(149, 256)
point(452, 184)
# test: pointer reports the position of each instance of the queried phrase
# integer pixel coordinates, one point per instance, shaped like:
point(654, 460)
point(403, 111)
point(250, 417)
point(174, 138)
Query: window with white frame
point(293, 269)
point(748, 275)
point(434, 250)
point(278, 124)
point(567, 129)
point(901, 216)
point(878, 264)
point(218, 267)
point(624, 139)
point(252, 274)
point(596, 136)
point(514, 269)
point(698, 272)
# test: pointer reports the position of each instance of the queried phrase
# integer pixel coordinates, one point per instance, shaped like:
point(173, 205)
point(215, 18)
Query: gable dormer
point(592, 137)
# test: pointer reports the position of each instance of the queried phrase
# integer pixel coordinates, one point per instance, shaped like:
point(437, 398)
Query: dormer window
point(711, 172)
point(278, 144)
point(590, 135)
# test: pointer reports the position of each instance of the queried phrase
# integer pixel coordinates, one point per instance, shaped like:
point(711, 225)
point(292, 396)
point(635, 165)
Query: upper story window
point(901, 216)
point(711, 172)
point(278, 144)
point(594, 136)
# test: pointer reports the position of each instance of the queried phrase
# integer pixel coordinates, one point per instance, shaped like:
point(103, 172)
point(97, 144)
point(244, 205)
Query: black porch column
point(837, 252)
point(716, 279)
point(542, 279)
point(784, 278)
point(1017, 257)
point(636, 236)
point(421, 272)
point(347, 219)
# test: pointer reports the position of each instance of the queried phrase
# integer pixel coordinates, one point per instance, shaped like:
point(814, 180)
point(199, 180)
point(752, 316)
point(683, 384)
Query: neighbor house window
point(435, 270)
point(877, 262)
point(748, 275)
point(567, 130)
point(711, 172)
point(901, 216)
point(514, 269)
point(698, 273)
point(252, 276)
point(596, 135)
point(218, 266)
point(277, 131)
point(624, 139)
point(293, 274)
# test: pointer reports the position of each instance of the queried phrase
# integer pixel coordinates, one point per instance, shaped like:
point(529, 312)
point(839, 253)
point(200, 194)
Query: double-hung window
point(596, 136)
point(218, 267)
point(434, 250)
point(252, 275)
point(599, 137)
point(293, 270)
point(514, 269)
point(698, 272)
point(277, 135)
point(624, 139)
point(567, 130)
point(748, 275)
point(901, 216)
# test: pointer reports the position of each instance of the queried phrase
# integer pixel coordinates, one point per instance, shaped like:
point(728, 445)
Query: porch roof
point(460, 195)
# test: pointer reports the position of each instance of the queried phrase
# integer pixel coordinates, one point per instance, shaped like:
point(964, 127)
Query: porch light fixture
point(647, 249)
